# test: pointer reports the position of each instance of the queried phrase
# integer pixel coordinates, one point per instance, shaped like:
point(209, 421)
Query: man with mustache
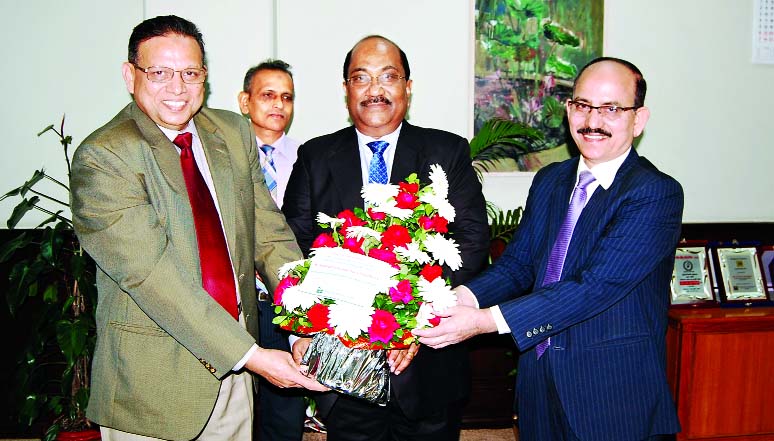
point(583, 287)
point(426, 394)
point(267, 98)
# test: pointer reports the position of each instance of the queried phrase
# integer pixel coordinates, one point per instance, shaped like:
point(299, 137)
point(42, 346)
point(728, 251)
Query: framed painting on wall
point(527, 54)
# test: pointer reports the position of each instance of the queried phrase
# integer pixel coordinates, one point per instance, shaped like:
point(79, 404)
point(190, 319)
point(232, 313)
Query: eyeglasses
point(385, 79)
point(608, 112)
point(158, 74)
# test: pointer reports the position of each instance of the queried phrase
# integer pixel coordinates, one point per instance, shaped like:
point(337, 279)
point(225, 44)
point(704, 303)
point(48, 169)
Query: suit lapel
point(406, 160)
point(344, 163)
point(163, 150)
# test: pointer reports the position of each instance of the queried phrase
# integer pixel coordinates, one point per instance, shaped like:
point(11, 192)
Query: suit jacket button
point(241, 277)
point(549, 327)
point(529, 334)
point(542, 329)
point(535, 330)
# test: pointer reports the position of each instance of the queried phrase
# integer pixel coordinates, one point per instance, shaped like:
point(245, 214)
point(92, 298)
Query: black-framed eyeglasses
point(385, 79)
point(160, 74)
point(607, 111)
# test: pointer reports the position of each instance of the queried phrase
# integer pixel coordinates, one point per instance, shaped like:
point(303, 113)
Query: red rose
point(395, 236)
point(426, 223)
point(383, 326)
point(407, 200)
point(318, 316)
point(376, 215)
point(354, 245)
point(410, 188)
point(435, 320)
point(440, 224)
point(402, 292)
point(284, 284)
point(431, 272)
point(383, 255)
point(324, 240)
point(350, 219)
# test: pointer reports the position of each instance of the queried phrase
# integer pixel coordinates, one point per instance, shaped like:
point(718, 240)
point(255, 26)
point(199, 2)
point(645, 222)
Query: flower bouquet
point(370, 281)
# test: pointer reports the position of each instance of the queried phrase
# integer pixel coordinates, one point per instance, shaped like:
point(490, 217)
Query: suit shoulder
point(222, 117)
point(320, 145)
point(433, 136)
point(120, 127)
point(645, 170)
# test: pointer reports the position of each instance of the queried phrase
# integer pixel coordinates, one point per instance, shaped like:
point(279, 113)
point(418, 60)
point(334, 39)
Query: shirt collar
point(604, 172)
point(276, 144)
point(172, 134)
point(391, 138)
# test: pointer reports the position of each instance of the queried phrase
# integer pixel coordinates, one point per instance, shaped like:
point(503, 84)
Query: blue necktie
point(269, 171)
point(377, 170)
point(559, 251)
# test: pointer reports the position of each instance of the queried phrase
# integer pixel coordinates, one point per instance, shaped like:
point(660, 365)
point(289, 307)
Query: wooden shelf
point(720, 365)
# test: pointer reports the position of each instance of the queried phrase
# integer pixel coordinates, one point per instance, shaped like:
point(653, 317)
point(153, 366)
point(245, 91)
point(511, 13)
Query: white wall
point(710, 126)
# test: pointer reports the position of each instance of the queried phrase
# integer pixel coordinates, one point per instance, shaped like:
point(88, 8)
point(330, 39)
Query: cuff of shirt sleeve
point(241, 363)
point(502, 325)
point(292, 339)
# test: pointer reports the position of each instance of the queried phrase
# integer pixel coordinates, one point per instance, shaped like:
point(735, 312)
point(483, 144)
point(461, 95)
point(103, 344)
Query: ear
point(641, 117)
point(409, 83)
point(242, 99)
point(128, 72)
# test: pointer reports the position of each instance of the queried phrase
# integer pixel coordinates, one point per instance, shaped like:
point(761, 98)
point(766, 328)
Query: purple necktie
point(559, 251)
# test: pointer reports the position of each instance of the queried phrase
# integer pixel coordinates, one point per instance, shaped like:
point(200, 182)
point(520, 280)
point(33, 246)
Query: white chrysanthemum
point(359, 232)
point(424, 315)
point(439, 182)
point(377, 194)
point(349, 319)
point(293, 297)
point(332, 221)
point(285, 269)
point(392, 209)
point(437, 292)
point(440, 203)
point(444, 250)
point(413, 253)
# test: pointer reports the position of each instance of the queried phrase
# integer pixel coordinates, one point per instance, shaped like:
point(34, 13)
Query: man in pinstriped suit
point(600, 328)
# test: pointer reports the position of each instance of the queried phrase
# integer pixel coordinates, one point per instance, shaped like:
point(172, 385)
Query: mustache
point(375, 100)
point(589, 130)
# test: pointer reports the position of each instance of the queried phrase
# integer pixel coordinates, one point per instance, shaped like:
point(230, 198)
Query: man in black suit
point(425, 401)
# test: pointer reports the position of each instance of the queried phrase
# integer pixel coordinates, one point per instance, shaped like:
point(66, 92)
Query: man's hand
point(278, 367)
point(458, 323)
point(299, 349)
point(399, 359)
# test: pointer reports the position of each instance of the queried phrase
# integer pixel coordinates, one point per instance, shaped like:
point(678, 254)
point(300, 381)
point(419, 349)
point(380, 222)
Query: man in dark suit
point(327, 177)
point(588, 309)
point(169, 199)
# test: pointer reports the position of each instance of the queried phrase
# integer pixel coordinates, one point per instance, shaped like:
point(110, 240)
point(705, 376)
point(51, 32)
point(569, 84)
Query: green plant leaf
point(559, 34)
point(20, 210)
point(71, 336)
point(9, 249)
point(37, 175)
point(553, 112)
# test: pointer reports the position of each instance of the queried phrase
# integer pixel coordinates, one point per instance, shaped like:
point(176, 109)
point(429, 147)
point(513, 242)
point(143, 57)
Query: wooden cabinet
point(720, 365)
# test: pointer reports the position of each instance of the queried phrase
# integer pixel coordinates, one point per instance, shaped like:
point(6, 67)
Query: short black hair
point(403, 57)
point(640, 86)
point(160, 26)
point(268, 64)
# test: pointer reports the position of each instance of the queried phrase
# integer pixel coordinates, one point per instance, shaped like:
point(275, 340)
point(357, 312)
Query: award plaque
point(741, 276)
point(767, 265)
point(691, 281)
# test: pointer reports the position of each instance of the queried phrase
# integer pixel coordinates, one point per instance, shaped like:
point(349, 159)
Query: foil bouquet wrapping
point(369, 282)
point(361, 373)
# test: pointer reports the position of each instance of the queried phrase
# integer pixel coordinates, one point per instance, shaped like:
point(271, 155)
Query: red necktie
point(217, 274)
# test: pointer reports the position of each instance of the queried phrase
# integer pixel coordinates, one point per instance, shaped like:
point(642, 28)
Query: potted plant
point(51, 275)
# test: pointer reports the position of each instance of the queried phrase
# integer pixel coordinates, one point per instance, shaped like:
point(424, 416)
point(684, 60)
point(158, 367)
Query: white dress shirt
point(284, 156)
point(366, 154)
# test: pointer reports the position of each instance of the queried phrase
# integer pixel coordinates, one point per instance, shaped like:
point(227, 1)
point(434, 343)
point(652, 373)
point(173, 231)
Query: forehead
point(375, 53)
point(606, 81)
point(170, 47)
point(272, 78)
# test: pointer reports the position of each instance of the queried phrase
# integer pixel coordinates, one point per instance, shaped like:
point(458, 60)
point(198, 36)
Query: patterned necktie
point(217, 273)
point(559, 251)
point(377, 170)
point(269, 170)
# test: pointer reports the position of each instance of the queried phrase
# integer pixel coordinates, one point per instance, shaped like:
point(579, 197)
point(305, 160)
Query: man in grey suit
point(583, 287)
point(169, 199)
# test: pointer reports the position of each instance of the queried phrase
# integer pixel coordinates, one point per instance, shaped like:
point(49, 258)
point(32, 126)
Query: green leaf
point(50, 293)
point(553, 112)
point(71, 336)
point(562, 68)
point(8, 249)
point(37, 175)
point(21, 209)
point(561, 35)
